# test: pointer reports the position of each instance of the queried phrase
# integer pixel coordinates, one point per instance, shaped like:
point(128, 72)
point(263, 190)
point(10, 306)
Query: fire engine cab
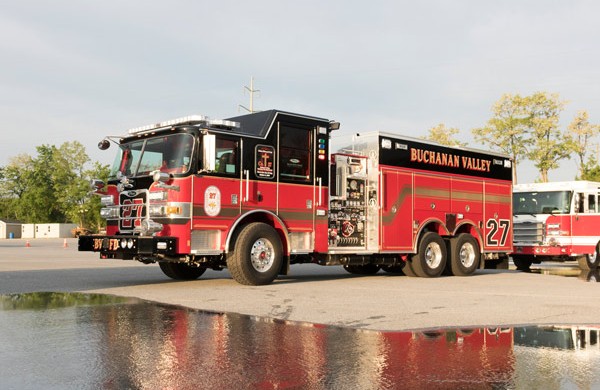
point(557, 221)
point(258, 192)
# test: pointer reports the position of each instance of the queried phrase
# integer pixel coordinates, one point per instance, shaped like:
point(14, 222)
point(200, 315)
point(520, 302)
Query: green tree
point(68, 179)
point(443, 135)
point(13, 185)
point(591, 170)
point(579, 137)
point(548, 144)
point(506, 131)
point(28, 182)
point(52, 187)
point(90, 207)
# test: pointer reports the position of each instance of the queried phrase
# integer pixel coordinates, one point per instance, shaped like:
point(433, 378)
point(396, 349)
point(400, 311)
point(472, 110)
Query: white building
point(10, 229)
point(54, 230)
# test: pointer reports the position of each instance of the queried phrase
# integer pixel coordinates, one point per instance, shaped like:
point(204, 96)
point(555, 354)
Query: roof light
point(222, 122)
point(202, 119)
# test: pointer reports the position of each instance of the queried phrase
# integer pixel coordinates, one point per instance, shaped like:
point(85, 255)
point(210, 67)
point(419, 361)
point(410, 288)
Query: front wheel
point(257, 255)
point(590, 261)
point(523, 263)
point(181, 271)
point(430, 259)
point(464, 255)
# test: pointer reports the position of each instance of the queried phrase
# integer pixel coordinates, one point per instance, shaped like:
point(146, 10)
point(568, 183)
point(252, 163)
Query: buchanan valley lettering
point(449, 160)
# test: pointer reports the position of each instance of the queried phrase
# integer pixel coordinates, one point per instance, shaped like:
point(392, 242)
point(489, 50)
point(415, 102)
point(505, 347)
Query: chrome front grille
point(133, 209)
point(532, 232)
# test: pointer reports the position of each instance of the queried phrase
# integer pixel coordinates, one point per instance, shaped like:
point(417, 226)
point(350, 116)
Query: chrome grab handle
point(320, 184)
point(247, 173)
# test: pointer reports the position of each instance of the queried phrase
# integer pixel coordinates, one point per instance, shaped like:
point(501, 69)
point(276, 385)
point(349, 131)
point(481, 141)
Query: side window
point(591, 203)
point(226, 157)
point(295, 149)
point(580, 202)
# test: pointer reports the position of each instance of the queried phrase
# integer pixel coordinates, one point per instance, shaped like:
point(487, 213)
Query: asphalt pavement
point(318, 294)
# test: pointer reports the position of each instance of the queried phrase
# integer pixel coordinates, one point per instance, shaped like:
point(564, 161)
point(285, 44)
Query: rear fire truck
point(258, 192)
point(557, 221)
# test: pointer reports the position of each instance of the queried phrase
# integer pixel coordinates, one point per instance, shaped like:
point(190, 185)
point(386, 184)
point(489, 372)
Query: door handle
point(247, 174)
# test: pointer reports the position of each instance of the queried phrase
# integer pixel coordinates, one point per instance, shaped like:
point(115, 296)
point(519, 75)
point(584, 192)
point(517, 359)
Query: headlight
point(150, 227)
point(157, 195)
point(156, 210)
point(107, 200)
point(109, 212)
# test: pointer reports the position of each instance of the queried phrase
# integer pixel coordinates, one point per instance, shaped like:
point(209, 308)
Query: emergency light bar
point(202, 119)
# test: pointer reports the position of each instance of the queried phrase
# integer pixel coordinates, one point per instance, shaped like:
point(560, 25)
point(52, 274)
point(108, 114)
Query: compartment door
point(396, 210)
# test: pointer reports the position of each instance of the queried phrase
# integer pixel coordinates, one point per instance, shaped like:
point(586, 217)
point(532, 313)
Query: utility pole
point(251, 90)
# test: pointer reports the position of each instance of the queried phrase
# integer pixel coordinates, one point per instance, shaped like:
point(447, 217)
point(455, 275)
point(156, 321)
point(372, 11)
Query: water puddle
point(588, 276)
point(60, 341)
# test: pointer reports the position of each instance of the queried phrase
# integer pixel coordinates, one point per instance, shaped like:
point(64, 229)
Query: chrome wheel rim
point(262, 255)
point(433, 255)
point(593, 258)
point(467, 255)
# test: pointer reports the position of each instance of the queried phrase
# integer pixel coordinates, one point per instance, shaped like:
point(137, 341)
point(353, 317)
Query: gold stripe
point(506, 199)
point(432, 193)
point(296, 216)
point(226, 212)
point(459, 195)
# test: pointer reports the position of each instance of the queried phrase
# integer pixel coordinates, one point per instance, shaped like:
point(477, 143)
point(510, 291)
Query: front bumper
point(128, 247)
point(542, 250)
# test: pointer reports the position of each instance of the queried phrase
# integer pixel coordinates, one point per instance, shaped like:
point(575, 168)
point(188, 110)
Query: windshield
point(170, 154)
point(542, 202)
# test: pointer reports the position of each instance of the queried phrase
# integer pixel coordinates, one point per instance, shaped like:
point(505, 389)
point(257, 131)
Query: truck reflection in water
point(52, 340)
point(586, 275)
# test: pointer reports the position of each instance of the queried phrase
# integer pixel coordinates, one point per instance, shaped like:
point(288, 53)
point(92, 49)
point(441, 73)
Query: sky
point(73, 70)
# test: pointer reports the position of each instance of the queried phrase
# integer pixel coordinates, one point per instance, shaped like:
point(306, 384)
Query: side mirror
point(97, 184)
point(209, 152)
point(104, 144)
point(160, 177)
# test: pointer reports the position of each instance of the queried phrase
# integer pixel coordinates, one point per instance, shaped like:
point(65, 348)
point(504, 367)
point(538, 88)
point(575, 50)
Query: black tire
point(366, 269)
point(257, 255)
point(590, 261)
point(430, 259)
point(408, 268)
point(497, 264)
point(523, 263)
point(181, 271)
point(464, 255)
point(592, 276)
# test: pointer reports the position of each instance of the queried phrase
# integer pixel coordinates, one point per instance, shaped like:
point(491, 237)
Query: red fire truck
point(258, 192)
point(557, 221)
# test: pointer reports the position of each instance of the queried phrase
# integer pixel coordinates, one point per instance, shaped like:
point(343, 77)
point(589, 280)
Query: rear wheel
point(523, 263)
point(257, 255)
point(589, 261)
point(430, 259)
point(464, 255)
point(366, 269)
point(181, 271)
point(408, 268)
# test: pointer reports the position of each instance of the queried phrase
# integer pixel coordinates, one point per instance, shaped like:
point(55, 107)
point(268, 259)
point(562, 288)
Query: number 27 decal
point(503, 225)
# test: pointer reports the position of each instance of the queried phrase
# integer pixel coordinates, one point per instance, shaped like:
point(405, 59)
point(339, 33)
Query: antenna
point(251, 90)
